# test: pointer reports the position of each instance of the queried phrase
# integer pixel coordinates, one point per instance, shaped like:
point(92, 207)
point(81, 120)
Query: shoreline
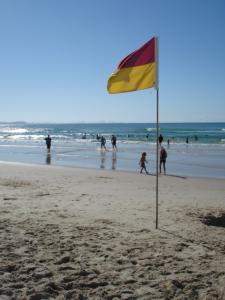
point(76, 233)
point(107, 170)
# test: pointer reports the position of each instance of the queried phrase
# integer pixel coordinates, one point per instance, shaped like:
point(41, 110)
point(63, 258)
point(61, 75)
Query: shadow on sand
point(186, 240)
point(171, 175)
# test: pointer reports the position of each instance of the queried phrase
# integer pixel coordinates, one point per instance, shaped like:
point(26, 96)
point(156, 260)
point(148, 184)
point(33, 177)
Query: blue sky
point(57, 55)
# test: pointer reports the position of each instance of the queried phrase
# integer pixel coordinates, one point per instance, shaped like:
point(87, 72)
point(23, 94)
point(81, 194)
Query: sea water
point(77, 145)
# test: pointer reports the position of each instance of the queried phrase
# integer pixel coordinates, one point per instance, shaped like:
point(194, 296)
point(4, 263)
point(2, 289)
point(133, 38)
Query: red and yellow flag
point(137, 71)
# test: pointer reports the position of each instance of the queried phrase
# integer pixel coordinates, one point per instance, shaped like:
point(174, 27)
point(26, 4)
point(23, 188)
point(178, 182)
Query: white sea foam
point(17, 137)
point(132, 142)
point(36, 137)
point(61, 137)
point(14, 130)
point(151, 129)
point(19, 146)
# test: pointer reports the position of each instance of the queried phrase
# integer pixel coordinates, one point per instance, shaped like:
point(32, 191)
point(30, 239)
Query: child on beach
point(142, 163)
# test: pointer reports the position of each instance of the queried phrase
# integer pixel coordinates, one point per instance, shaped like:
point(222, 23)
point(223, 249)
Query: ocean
point(76, 145)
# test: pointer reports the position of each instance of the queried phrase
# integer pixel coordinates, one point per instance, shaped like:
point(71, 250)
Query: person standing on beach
point(162, 161)
point(48, 141)
point(160, 139)
point(103, 142)
point(113, 141)
point(143, 162)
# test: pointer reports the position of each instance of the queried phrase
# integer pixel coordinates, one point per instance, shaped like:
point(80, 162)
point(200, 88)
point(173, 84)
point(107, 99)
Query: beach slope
point(68, 233)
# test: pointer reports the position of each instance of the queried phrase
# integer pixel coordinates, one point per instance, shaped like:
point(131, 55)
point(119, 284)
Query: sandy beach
point(69, 233)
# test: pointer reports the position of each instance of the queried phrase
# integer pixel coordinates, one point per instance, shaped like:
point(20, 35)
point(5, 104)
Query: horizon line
point(106, 122)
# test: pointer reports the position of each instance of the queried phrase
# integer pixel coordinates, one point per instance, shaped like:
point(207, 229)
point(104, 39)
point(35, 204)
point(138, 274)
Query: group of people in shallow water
point(102, 139)
point(103, 142)
point(143, 161)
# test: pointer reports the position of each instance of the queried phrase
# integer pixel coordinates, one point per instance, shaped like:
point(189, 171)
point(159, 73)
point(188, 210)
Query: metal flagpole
point(157, 156)
point(157, 128)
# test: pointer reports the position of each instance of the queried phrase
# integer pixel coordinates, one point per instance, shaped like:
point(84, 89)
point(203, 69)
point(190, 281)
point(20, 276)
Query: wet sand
point(69, 233)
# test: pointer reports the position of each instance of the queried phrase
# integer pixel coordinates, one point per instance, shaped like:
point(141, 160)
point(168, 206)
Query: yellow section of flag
point(137, 71)
point(132, 79)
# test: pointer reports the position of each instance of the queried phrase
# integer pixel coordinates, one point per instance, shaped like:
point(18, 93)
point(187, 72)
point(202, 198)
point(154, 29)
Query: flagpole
point(157, 130)
point(157, 156)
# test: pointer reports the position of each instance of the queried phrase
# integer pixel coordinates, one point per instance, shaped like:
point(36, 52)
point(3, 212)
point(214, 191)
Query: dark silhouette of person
point(113, 141)
point(48, 141)
point(103, 142)
point(162, 161)
point(160, 139)
point(187, 141)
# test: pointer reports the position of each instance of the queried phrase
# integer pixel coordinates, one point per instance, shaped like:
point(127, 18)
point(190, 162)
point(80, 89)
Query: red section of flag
point(142, 56)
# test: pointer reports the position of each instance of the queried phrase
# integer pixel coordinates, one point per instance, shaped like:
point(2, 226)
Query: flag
point(137, 71)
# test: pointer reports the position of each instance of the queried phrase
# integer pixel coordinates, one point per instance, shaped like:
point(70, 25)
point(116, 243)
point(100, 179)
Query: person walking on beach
point(103, 142)
point(113, 141)
point(143, 162)
point(162, 161)
point(48, 141)
point(187, 141)
point(160, 139)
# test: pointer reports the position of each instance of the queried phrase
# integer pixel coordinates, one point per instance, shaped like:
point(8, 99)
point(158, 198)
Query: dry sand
point(70, 233)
